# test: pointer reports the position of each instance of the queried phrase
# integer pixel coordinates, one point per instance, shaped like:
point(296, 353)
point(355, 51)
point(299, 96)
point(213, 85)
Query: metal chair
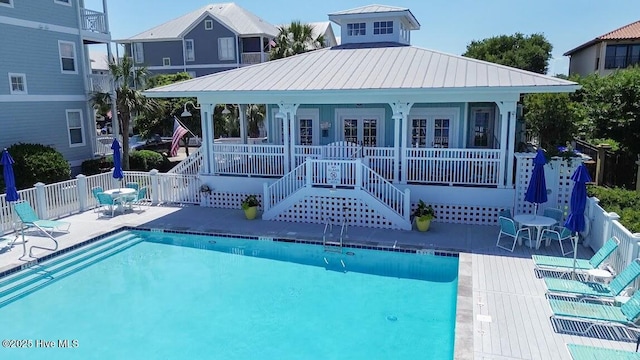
point(559, 234)
point(508, 228)
point(105, 200)
point(555, 214)
point(95, 190)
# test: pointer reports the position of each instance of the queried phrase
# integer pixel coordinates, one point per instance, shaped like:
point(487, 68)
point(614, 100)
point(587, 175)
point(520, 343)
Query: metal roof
point(368, 9)
point(627, 32)
point(374, 10)
point(236, 18)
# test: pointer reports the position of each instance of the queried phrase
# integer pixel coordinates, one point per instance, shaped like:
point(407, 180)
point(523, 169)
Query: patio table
point(537, 222)
point(121, 193)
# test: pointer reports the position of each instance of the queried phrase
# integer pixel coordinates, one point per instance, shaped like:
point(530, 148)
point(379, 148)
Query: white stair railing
point(286, 186)
point(189, 166)
point(383, 191)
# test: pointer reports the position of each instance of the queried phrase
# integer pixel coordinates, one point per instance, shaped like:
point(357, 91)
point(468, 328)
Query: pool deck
point(510, 311)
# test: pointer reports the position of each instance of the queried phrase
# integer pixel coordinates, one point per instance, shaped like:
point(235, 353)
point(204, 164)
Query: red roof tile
point(631, 31)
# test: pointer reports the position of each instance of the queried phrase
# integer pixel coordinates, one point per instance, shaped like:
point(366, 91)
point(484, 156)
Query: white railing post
point(607, 228)
point(82, 192)
point(359, 168)
point(41, 201)
point(266, 199)
point(407, 205)
point(309, 171)
point(155, 186)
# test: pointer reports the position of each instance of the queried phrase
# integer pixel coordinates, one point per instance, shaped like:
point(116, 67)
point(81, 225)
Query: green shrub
point(145, 160)
point(97, 166)
point(37, 163)
point(625, 203)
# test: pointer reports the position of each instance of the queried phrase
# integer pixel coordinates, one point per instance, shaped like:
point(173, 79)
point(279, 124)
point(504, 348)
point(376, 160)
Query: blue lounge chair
point(593, 314)
point(554, 263)
point(584, 352)
point(595, 289)
point(29, 218)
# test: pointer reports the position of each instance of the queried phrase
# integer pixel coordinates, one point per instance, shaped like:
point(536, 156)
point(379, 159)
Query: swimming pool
point(148, 295)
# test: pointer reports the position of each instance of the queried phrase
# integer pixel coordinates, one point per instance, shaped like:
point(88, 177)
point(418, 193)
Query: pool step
point(39, 275)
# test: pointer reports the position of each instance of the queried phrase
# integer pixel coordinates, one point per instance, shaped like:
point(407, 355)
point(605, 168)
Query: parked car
point(155, 144)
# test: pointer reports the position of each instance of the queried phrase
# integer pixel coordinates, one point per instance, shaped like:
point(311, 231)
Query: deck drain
point(392, 318)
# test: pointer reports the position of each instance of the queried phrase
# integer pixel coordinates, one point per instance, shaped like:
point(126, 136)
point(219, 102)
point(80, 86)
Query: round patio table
point(121, 193)
point(537, 222)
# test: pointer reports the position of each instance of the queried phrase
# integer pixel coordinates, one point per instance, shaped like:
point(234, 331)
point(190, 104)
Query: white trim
point(24, 83)
point(208, 21)
point(10, 4)
point(5, 20)
point(453, 113)
point(63, 2)
point(42, 98)
point(199, 66)
point(193, 50)
point(167, 62)
point(79, 111)
point(359, 114)
point(75, 57)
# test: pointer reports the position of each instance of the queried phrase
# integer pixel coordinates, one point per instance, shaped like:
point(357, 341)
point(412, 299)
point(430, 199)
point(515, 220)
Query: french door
point(361, 126)
point(429, 128)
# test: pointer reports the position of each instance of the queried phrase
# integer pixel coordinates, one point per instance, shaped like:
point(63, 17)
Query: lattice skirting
point(317, 209)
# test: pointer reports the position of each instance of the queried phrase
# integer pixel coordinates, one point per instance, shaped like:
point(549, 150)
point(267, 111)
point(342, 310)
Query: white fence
point(604, 225)
point(73, 196)
point(453, 166)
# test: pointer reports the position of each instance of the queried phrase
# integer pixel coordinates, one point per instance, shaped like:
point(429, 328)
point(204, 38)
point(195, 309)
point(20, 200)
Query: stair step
point(30, 280)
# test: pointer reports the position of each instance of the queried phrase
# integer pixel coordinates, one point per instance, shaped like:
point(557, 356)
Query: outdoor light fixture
point(186, 112)
point(226, 111)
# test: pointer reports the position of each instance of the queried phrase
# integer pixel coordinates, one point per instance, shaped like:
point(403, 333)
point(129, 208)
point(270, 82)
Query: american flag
point(272, 43)
point(178, 132)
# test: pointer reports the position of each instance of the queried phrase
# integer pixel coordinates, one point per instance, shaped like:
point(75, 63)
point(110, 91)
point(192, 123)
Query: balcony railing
point(254, 58)
point(100, 83)
point(93, 21)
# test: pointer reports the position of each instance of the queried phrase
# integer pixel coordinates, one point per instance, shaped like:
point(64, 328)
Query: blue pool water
point(169, 296)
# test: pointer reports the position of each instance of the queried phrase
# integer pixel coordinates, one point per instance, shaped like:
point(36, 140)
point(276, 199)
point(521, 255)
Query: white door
point(430, 128)
point(361, 126)
point(306, 131)
point(482, 124)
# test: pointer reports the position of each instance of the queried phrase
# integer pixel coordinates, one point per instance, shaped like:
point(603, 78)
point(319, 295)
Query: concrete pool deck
point(506, 315)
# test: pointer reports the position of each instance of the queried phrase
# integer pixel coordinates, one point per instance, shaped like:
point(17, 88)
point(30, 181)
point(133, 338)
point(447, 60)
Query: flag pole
point(184, 126)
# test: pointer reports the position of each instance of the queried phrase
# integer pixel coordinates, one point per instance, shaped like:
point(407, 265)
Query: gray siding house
point(45, 74)
point(214, 38)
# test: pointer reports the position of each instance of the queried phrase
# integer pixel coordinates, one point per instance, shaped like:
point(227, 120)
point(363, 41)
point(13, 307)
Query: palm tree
point(255, 116)
point(297, 38)
point(129, 99)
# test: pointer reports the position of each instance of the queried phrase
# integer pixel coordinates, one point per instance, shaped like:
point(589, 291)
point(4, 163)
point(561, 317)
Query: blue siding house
point(211, 39)
point(45, 74)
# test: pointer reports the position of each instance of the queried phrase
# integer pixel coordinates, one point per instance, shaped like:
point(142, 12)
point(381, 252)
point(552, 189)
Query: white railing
point(604, 225)
point(103, 145)
point(93, 21)
point(245, 159)
point(254, 58)
point(284, 187)
point(318, 173)
point(303, 152)
point(452, 166)
point(100, 83)
point(190, 165)
point(376, 186)
point(381, 160)
point(73, 196)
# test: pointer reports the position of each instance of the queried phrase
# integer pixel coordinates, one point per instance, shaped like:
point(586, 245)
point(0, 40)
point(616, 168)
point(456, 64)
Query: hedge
point(140, 160)
point(625, 203)
point(37, 163)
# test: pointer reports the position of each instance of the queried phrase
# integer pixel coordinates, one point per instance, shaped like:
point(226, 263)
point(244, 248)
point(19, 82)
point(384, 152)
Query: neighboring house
point(99, 62)
point(324, 28)
point(45, 74)
point(617, 49)
point(214, 38)
point(364, 130)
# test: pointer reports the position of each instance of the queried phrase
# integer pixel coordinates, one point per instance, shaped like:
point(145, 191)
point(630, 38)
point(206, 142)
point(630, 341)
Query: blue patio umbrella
point(117, 165)
point(537, 190)
point(9, 178)
point(575, 220)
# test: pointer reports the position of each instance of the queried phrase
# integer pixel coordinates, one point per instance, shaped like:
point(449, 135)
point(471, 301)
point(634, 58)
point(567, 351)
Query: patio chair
point(593, 314)
point(595, 289)
point(95, 190)
point(105, 200)
point(505, 213)
point(555, 214)
point(138, 199)
point(544, 262)
point(585, 352)
point(29, 218)
point(133, 185)
point(508, 228)
point(558, 234)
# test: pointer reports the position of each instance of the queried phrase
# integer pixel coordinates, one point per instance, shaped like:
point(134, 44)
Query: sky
point(446, 25)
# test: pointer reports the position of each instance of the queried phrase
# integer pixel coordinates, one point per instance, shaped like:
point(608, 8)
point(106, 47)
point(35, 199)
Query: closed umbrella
point(9, 178)
point(537, 190)
point(117, 164)
point(575, 220)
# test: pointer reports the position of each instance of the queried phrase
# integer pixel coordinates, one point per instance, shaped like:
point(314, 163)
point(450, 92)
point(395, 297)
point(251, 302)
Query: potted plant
point(250, 206)
point(423, 214)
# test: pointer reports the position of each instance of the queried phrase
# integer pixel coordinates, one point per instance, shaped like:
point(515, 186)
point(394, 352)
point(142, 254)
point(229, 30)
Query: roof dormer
point(375, 24)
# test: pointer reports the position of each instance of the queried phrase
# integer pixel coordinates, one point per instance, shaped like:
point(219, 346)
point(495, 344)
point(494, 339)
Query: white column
point(397, 120)
point(206, 121)
point(242, 109)
point(287, 113)
point(507, 137)
point(401, 112)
